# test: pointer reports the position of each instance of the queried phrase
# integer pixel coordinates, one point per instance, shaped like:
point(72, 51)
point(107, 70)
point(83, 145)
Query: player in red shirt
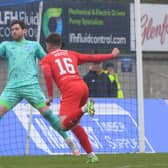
point(61, 66)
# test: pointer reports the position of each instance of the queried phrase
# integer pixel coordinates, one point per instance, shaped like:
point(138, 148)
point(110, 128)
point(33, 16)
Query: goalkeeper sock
point(55, 123)
point(82, 136)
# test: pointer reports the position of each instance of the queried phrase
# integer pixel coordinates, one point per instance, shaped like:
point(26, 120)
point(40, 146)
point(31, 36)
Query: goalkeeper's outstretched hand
point(115, 52)
point(49, 100)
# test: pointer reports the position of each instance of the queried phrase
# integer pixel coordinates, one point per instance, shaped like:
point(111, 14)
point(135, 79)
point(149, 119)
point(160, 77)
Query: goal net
point(94, 29)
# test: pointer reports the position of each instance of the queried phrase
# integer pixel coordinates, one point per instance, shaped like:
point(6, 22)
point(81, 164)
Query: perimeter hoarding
point(28, 13)
point(114, 129)
point(97, 25)
point(154, 27)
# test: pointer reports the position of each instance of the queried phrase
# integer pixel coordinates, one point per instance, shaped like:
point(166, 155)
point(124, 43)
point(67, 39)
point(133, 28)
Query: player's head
point(53, 41)
point(18, 29)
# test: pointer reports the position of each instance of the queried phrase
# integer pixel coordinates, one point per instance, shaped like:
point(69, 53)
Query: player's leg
point(82, 136)
point(8, 99)
point(70, 120)
point(35, 96)
point(4, 106)
point(53, 119)
point(70, 110)
point(70, 106)
point(79, 131)
point(74, 96)
point(87, 105)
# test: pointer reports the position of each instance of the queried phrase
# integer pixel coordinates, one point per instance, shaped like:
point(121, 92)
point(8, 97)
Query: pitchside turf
point(106, 161)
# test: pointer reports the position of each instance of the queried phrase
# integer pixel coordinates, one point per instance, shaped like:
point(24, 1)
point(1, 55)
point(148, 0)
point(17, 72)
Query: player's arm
point(46, 69)
point(96, 57)
point(40, 53)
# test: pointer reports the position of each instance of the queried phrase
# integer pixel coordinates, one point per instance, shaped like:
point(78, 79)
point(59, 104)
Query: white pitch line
point(142, 166)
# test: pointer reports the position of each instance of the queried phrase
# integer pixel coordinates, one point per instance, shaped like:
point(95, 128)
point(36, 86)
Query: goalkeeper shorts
point(32, 93)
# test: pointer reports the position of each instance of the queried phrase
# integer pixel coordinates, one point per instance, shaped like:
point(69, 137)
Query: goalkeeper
point(22, 81)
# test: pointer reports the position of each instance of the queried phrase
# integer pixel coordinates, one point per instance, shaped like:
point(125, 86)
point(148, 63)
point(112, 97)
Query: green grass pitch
point(155, 160)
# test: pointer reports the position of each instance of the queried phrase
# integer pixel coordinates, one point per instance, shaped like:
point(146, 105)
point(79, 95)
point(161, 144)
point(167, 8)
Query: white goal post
point(139, 66)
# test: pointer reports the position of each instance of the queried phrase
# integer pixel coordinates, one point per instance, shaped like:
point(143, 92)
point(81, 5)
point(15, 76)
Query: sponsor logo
point(52, 21)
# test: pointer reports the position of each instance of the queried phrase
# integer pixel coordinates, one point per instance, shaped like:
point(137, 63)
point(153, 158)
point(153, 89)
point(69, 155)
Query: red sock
point(71, 120)
point(82, 136)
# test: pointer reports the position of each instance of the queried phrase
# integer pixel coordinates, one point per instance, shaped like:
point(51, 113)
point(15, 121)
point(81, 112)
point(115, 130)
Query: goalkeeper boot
point(93, 159)
point(72, 146)
point(89, 108)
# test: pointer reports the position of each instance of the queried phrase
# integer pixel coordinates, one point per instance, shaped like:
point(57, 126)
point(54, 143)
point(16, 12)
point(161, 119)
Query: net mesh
point(115, 125)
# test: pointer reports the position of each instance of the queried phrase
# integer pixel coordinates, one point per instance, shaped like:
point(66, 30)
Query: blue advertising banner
point(114, 129)
point(101, 25)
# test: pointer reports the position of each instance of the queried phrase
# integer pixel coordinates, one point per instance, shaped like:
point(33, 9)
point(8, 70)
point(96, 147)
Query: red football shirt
point(61, 66)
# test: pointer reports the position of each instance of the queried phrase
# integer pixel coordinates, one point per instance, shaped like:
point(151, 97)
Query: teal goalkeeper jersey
point(21, 60)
